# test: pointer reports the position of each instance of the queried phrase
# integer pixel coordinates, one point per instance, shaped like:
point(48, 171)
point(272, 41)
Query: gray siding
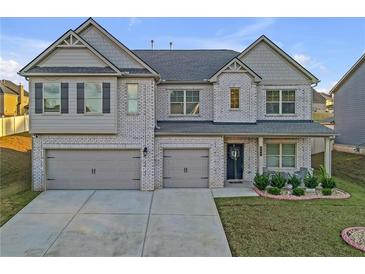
point(108, 48)
point(350, 109)
point(72, 122)
point(75, 57)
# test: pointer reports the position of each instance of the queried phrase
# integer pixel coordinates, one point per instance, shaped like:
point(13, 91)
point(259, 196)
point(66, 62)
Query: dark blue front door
point(234, 161)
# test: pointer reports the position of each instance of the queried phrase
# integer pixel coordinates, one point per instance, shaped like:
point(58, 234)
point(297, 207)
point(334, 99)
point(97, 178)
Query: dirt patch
point(19, 142)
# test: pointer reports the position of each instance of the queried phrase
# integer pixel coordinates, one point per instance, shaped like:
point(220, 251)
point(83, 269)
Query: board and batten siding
point(349, 108)
point(72, 122)
point(75, 57)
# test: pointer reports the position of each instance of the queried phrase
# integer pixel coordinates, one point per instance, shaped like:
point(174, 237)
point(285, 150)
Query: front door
point(234, 161)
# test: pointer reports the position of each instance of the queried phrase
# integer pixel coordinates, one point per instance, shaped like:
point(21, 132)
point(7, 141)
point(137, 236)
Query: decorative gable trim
point(70, 40)
point(282, 53)
point(236, 66)
point(92, 22)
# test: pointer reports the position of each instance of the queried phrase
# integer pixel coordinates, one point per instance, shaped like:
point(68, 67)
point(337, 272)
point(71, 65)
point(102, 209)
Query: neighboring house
point(14, 99)
point(319, 102)
point(329, 102)
point(349, 105)
point(106, 117)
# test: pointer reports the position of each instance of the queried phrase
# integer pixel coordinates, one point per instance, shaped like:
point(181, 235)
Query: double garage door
point(121, 169)
point(93, 169)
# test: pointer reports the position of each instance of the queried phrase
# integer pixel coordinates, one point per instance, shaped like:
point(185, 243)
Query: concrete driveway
point(167, 222)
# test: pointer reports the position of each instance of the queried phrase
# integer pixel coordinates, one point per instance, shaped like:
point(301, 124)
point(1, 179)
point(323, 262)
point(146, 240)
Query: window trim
point(281, 154)
point(137, 112)
point(101, 99)
point(230, 98)
point(43, 98)
point(281, 101)
point(184, 103)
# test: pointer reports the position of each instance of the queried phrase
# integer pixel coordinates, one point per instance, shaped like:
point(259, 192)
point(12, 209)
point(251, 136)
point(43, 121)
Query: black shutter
point(80, 97)
point(106, 97)
point(64, 97)
point(38, 97)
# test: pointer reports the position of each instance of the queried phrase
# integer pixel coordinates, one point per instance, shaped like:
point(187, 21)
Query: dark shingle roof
point(318, 98)
point(268, 128)
point(186, 65)
point(71, 70)
point(135, 70)
point(9, 87)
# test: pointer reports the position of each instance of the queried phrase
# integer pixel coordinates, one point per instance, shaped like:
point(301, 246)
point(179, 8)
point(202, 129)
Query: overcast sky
point(327, 47)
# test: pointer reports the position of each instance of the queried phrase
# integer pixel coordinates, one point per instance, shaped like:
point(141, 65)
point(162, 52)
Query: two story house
point(107, 117)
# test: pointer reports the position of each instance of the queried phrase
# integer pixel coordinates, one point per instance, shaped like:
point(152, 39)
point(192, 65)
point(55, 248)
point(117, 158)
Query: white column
point(327, 155)
point(260, 155)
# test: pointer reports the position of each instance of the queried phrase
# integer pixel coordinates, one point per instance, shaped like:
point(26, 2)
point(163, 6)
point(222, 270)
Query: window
point(93, 98)
point(184, 102)
point(280, 155)
point(132, 98)
point(235, 98)
point(280, 101)
point(52, 97)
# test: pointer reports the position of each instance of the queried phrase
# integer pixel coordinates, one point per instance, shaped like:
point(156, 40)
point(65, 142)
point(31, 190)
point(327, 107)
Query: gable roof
point(187, 65)
point(318, 98)
point(25, 71)
point(9, 87)
point(282, 53)
point(91, 21)
point(243, 68)
point(358, 63)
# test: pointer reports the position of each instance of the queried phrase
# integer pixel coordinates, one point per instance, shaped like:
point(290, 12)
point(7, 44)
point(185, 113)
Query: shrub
point(298, 191)
point(261, 181)
point(326, 191)
point(310, 181)
point(274, 190)
point(325, 180)
point(294, 181)
point(278, 180)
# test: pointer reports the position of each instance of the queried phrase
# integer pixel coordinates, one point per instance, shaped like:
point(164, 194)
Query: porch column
point(327, 155)
point(261, 156)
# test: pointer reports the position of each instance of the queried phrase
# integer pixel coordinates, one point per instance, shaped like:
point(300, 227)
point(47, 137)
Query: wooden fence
point(13, 125)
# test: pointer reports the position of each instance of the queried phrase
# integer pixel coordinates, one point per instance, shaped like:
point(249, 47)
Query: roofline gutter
point(247, 134)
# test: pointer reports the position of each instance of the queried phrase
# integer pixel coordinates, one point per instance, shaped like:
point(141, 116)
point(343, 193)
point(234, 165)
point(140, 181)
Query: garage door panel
point(186, 168)
point(93, 169)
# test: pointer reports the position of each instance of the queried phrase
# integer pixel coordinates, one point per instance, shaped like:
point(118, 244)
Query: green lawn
point(257, 226)
point(15, 175)
point(319, 116)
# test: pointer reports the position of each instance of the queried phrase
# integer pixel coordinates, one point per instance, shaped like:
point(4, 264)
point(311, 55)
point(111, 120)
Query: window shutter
point(38, 97)
point(106, 97)
point(80, 97)
point(64, 97)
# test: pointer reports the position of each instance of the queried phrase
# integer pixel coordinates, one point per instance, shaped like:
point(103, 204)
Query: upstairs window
point(132, 98)
point(280, 101)
point(280, 155)
point(235, 98)
point(93, 98)
point(184, 102)
point(52, 98)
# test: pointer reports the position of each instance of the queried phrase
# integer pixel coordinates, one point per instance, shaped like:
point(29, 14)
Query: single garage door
point(186, 167)
point(93, 169)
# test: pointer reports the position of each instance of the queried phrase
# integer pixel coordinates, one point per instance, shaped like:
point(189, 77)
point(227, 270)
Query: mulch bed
point(355, 237)
point(336, 194)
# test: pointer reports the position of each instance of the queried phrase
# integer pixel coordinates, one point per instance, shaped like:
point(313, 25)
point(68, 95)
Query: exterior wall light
point(145, 152)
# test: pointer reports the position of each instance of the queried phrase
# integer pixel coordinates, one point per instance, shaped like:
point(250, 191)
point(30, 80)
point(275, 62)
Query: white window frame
point(43, 99)
point(281, 101)
point(230, 98)
point(184, 103)
point(101, 101)
point(281, 154)
point(128, 112)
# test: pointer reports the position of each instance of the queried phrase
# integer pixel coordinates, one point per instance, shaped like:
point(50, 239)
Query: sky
point(327, 47)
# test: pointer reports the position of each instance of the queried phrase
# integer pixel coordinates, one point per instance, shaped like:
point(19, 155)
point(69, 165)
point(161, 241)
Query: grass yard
point(319, 116)
point(15, 175)
point(257, 226)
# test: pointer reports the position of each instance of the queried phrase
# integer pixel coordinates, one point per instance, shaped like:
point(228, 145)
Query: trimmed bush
point(325, 180)
point(278, 180)
point(327, 191)
point(298, 191)
point(294, 181)
point(310, 181)
point(261, 181)
point(274, 191)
